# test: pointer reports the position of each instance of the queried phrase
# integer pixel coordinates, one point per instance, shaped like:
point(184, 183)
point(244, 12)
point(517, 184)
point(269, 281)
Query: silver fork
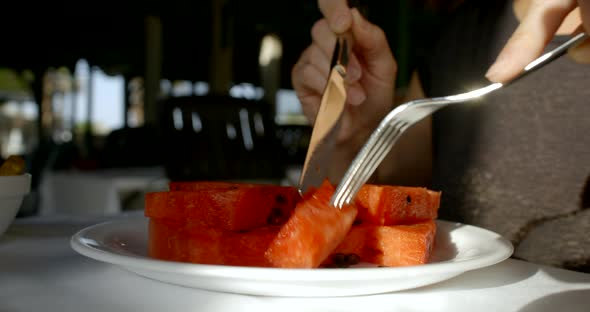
point(402, 117)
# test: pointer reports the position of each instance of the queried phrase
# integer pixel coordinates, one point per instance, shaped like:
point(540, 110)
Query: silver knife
point(327, 122)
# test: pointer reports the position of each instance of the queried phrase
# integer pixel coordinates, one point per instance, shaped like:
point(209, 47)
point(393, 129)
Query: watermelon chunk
point(391, 205)
point(392, 246)
point(398, 245)
point(187, 242)
point(245, 224)
point(314, 229)
point(162, 236)
point(231, 209)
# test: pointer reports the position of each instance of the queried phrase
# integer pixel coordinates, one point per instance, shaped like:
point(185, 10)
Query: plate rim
point(286, 274)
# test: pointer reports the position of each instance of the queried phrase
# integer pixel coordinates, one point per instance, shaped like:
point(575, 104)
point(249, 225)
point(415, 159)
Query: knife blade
point(327, 122)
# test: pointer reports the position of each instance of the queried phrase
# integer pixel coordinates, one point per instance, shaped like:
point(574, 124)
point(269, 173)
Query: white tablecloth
point(40, 272)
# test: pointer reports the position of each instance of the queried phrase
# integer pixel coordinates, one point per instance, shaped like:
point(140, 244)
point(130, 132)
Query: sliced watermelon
point(162, 240)
point(391, 205)
point(231, 209)
point(377, 204)
point(191, 242)
point(212, 222)
point(399, 245)
point(312, 232)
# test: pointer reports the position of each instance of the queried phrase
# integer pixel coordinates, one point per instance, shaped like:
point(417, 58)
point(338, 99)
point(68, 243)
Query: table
point(40, 272)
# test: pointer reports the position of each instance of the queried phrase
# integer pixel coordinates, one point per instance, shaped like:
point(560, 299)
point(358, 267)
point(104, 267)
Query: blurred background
point(106, 104)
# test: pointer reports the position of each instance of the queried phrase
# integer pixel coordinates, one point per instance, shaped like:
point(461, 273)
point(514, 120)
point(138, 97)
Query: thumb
point(337, 13)
point(370, 43)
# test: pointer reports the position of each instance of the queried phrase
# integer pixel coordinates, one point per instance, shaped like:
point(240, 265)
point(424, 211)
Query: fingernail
point(354, 73)
point(494, 72)
point(340, 22)
point(356, 96)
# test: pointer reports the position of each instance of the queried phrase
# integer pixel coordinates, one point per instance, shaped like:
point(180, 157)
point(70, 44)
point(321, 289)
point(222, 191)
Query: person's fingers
point(306, 77)
point(355, 94)
point(319, 59)
point(337, 13)
point(308, 82)
point(368, 38)
point(325, 38)
point(370, 43)
point(310, 107)
point(530, 38)
point(353, 70)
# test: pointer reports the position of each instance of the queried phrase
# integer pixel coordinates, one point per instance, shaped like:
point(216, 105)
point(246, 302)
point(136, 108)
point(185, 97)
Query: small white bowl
point(12, 191)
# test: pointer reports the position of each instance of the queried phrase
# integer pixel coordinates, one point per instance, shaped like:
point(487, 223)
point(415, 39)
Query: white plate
point(459, 248)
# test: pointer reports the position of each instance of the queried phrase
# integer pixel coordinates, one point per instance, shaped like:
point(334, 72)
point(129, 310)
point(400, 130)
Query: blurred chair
point(132, 147)
point(220, 138)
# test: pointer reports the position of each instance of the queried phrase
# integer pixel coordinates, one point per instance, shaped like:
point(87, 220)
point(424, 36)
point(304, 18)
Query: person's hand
point(370, 74)
point(537, 28)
